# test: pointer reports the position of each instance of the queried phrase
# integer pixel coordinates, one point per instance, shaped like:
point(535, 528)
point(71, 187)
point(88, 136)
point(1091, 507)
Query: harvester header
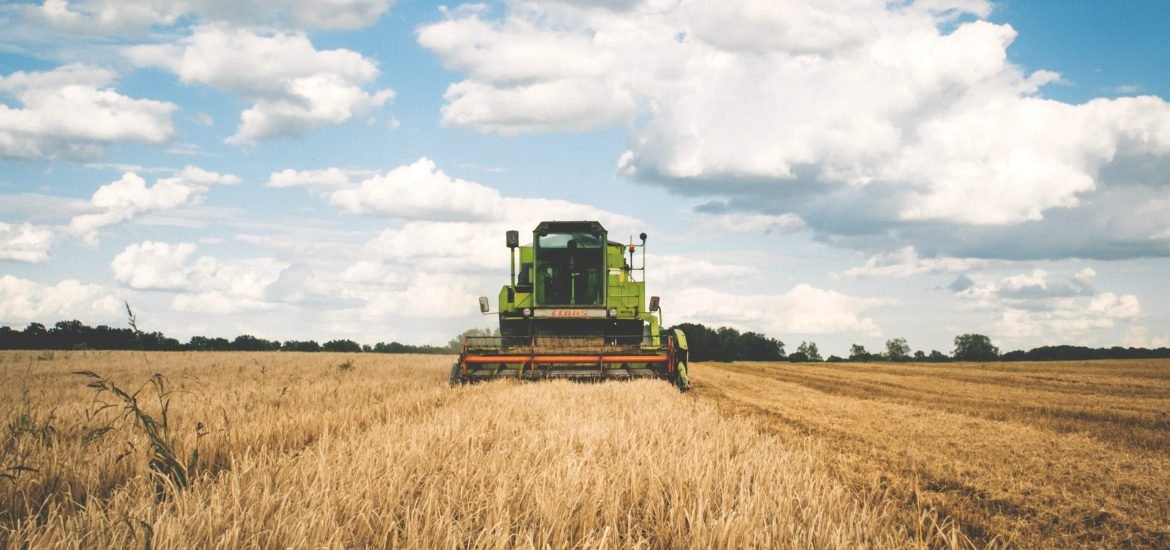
point(575, 309)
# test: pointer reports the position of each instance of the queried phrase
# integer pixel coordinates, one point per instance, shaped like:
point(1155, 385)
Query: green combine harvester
point(576, 310)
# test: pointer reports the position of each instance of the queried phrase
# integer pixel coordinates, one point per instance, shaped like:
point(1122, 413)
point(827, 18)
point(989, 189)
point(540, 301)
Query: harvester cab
point(576, 309)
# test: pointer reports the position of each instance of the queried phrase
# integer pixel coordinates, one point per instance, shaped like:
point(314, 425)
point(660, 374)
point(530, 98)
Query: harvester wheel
point(455, 379)
point(681, 380)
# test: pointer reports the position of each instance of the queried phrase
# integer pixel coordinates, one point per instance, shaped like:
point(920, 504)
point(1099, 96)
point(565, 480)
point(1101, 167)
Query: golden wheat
point(1033, 455)
point(299, 452)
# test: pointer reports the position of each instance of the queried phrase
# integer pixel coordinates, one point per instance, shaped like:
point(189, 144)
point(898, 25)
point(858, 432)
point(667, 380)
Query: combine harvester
point(576, 311)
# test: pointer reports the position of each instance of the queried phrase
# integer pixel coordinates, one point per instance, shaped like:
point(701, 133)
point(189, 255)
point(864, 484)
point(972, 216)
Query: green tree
point(729, 349)
point(897, 349)
point(974, 347)
point(296, 345)
point(857, 353)
point(703, 343)
point(806, 351)
point(247, 342)
point(757, 347)
point(937, 356)
point(341, 345)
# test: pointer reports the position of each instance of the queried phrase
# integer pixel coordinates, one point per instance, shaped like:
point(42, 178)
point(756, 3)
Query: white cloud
point(1140, 337)
point(248, 279)
point(203, 119)
point(151, 265)
point(1037, 286)
point(22, 300)
point(804, 309)
point(450, 222)
point(312, 179)
point(217, 303)
point(129, 196)
point(119, 16)
point(1033, 290)
point(206, 284)
point(423, 295)
point(1068, 318)
point(681, 271)
point(1031, 307)
point(25, 242)
point(1112, 306)
point(915, 102)
point(744, 222)
point(905, 262)
point(420, 191)
point(294, 86)
point(73, 112)
point(569, 104)
point(448, 246)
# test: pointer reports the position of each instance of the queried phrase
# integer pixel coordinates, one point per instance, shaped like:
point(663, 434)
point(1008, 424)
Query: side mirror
point(653, 303)
point(513, 238)
point(484, 305)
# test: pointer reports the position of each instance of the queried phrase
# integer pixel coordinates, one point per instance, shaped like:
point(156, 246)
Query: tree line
point(705, 343)
point(75, 335)
point(728, 344)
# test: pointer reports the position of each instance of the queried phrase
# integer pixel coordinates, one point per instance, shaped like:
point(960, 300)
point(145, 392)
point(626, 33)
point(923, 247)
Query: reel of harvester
point(575, 312)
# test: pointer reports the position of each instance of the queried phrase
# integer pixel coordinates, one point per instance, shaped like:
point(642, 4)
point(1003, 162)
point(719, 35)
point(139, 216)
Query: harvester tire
point(681, 379)
point(455, 379)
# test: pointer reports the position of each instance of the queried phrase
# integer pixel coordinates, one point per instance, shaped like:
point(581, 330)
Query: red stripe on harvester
point(491, 359)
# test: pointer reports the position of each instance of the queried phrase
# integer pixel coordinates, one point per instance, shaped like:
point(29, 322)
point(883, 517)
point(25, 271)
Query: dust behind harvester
point(576, 309)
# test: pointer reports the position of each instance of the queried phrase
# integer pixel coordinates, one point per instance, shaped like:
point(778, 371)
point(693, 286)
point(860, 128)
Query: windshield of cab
point(569, 269)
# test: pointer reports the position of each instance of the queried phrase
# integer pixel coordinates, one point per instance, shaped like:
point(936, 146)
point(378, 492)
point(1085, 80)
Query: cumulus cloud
point(73, 112)
point(1036, 285)
point(1140, 337)
point(329, 178)
point(129, 196)
point(22, 301)
point(206, 284)
point(116, 16)
point(151, 265)
point(1034, 307)
point(683, 271)
point(525, 78)
point(1031, 290)
point(905, 123)
point(294, 86)
point(1067, 318)
point(420, 191)
point(25, 242)
point(750, 222)
point(420, 296)
point(906, 262)
point(804, 309)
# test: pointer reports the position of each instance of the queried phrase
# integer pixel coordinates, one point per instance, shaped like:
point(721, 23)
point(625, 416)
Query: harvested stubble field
point(358, 450)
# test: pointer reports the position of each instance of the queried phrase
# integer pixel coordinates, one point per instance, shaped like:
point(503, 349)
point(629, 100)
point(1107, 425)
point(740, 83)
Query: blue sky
point(839, 172)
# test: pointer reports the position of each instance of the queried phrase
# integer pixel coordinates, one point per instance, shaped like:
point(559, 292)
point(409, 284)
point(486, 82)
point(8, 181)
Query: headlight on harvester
point(613, 313)
point(527, 312)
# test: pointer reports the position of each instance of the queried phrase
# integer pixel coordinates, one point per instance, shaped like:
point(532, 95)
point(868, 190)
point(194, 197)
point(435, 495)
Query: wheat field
point(371, 450)
point(1057, 455)
point(323, 450)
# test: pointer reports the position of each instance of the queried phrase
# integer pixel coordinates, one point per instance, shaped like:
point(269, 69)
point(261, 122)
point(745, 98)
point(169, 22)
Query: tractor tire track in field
point(964, 446)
